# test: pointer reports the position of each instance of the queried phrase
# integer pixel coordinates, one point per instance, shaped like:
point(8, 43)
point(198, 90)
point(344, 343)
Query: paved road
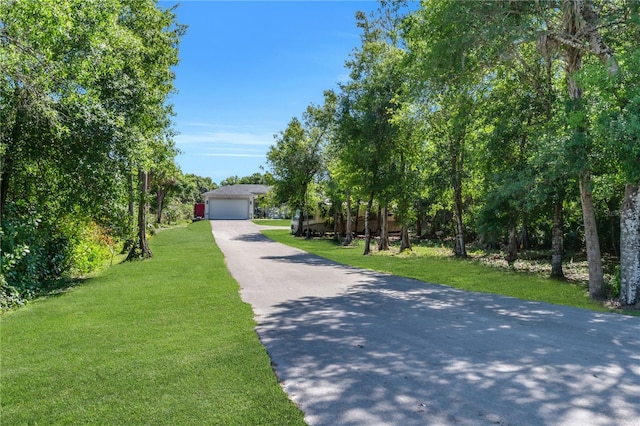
point(353, 347)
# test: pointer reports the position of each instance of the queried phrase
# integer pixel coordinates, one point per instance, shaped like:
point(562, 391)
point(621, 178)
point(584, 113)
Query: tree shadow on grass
point(399, 351)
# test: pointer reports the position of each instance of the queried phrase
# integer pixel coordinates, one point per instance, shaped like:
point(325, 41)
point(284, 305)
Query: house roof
point(238, 191)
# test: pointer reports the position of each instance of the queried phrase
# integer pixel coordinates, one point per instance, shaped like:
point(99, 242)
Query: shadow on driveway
point(399, 351)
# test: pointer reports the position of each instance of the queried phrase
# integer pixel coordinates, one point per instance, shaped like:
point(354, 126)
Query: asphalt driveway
point(353, 347)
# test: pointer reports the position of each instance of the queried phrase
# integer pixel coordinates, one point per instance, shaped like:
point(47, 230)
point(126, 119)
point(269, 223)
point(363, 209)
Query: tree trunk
point(336, 225)
point(300, 224)
point(525, 244)
point(130, 243)
point(306, 208)
point(615, 244)
point(460, 249)
point(557, 233)
point(405, 240)
point(630, 245)
point(355, 229)
point(141, 249)
point(12, 127)
point(456, 181)
point(4, 189)
point(348, 232)
point(573, 65)
point(159, 201)
point(383, 244)
point(132, 200)
point(512, 254)
point(367, 226)
point(594, 258)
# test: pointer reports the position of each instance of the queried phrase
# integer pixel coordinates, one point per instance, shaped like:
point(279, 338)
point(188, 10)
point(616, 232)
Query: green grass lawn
point(431, 265)
point(273, 222)
point(164, 341)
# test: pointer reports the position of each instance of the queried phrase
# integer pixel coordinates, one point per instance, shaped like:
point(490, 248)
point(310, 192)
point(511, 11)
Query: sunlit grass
point(164, 341)
point(273, 222)
point(436, 265)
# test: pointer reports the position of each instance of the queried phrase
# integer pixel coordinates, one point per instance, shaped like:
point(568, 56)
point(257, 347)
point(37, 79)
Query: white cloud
point(223, 137)
point(224, 142)
point(235, 155)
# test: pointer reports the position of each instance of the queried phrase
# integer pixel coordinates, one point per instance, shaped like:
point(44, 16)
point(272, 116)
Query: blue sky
point(248, 67)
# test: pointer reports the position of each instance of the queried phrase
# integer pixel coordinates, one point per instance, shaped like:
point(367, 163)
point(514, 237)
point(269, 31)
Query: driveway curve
point(354, 347)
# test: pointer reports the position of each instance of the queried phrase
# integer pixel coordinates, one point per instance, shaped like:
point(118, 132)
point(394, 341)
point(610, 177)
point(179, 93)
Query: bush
point(91, 247)
point(37, 253)
point(9, 296)
point(34, 252)
point(613, 286)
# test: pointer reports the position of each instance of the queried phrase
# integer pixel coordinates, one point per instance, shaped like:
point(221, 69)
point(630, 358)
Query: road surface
point(354, 347)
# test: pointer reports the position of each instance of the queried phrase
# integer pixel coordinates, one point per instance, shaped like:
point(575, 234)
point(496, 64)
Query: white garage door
point(229, 209)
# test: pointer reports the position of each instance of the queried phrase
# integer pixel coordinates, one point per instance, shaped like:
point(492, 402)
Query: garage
point(234, 202)
point(229, 209)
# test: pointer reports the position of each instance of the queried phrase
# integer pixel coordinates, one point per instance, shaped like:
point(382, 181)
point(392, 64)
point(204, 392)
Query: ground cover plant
point(432, 264)
point(162, 341)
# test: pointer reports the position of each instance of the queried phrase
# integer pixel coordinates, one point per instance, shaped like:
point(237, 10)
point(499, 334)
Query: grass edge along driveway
point(163, 341)
point(458, 273)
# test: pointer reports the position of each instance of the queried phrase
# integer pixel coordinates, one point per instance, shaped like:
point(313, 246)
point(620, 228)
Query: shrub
point(38, 252)
point(91, 247)
point(613, 286)
point(34, 252)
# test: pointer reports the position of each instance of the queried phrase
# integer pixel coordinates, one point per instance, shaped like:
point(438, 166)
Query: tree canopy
point(84, 107)
point(497, 123)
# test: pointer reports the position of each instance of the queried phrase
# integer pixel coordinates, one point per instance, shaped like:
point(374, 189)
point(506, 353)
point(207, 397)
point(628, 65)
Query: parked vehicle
point(198, 211)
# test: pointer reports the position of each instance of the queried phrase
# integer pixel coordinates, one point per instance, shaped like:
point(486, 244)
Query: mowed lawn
point(430, 265)
point(164, 341)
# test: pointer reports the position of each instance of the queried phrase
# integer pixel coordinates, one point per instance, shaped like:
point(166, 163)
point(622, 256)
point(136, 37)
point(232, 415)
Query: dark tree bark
point(405, 243)
point(367, 226)
point(525, 244)
point(4, 189)
point(159, 202)
point(383, 243)
point(557, 233)
point(460, 249)
point(458, 207)
point(129, 244)
point(348, 232)
point(141, 249)
point(512, 254)
point(306, 208)
point(357, 216)
point(300, 224)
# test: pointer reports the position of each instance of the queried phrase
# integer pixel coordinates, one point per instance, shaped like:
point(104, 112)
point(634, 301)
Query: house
point(233, 201)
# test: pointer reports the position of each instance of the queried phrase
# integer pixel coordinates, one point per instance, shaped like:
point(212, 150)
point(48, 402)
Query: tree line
point(86, 140)
point(502, 122)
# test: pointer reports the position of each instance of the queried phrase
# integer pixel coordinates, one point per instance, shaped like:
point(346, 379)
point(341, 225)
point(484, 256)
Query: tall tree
point(294, 160)
point(366, 111)
point(579, 29)
point(614, 100)
point(408, 158)
point(156, 35)
point(451, 75)
point(72, 125)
